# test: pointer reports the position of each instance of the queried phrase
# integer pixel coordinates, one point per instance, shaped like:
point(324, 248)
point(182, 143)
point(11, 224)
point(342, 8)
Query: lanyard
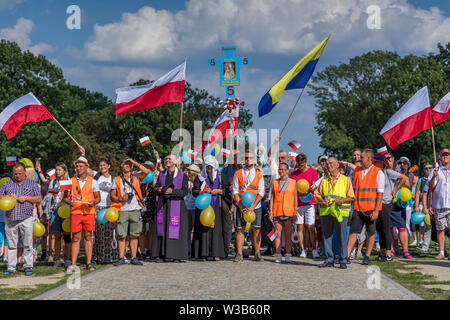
point(246, 179)
point(124, 184)
point(281, 187)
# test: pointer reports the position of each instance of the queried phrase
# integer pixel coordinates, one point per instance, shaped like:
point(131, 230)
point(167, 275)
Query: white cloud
point(9, 4)
point(20, 33)
point(283, 26)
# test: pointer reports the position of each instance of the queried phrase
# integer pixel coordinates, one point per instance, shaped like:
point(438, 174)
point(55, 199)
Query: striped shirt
point(28, 188)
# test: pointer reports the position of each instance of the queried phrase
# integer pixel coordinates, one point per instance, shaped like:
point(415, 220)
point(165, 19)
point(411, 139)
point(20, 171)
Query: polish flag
point(65, 185)
point(203, 187)
point(383, 150)
point(293, 155)
point(221, 129)
point(272, 235)
point(21, 111)
point(52, 174)
point(225, 152)
point(158, 163)
point(442, 110)
point(294, 145)
point(10, 161)
point(144, 141)
point(191, 153)
point(413, 118)
point(168, 88)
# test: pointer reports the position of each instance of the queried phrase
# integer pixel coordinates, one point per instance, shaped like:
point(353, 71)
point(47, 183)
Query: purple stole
point(175, 208)
point(215, 186)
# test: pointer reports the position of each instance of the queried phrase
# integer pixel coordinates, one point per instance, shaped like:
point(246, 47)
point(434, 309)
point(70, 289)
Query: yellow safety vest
point(339, 192)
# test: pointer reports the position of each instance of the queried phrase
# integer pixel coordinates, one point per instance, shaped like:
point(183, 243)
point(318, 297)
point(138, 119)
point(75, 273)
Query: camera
point(130, 195)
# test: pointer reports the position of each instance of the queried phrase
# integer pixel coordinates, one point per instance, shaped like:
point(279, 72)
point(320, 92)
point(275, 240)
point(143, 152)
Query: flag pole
point(293, 109)
point(181, 126)
point(434, 146)
point(67, 133)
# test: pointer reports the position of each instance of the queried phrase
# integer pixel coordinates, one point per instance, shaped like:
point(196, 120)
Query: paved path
point(225, 280)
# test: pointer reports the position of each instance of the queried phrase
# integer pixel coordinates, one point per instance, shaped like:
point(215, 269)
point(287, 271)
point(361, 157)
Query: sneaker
point(28, 272)
point(413, 244)
point(141, 257)
point(315, 254)
point(238, 258)
point(5, 260)
point(381, 258)
point(70, 269)
point(389, 258)
point(287, 258)
point(9, 272)
point(278, 259)
point(406, 255)
point(120, 262)
point(19, 266)
point(136, 261)
point(366, 260)
point(258, 257)
point(440, 256)
point(303, 254)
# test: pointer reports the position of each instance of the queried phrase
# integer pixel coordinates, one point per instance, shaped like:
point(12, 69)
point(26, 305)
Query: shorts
point(442, 218)
point(240, 223)
point(282, 219)
point(80, 222)
point(129, 223)
point(398, 218)
point(359, 220)
point(306, 215)
point(3, 235)
point(55, 222)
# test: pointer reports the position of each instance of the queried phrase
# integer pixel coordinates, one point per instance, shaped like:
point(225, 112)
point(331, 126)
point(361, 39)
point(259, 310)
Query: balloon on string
point(427, 220)
point(66, 225)
point(248, 227)
point(207, 216)
point(405, 194)
point(3, 180)
point(64, 212)
point(417, 217)
point(185, 157)
point(203, 201)
point(247, 199)
point(150, 177)
point(249, 216)
point(306, 198)
point(7, 203)
point(101, 218)
point(302, 186)
point(38, 229)
point(112, 214)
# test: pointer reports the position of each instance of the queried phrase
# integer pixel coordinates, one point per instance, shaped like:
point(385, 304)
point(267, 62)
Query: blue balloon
point(150, 177)
point(211, 152)
point(266, 170)
point(307, 197)
point(185, 157)
point(417, 217)
point(101, 218)
point(247, 199)
point(203, 201)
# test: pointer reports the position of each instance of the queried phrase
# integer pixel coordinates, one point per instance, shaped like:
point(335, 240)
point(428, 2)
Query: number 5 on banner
point(230, 92)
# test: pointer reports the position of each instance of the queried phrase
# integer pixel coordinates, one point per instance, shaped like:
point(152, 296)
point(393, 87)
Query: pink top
point(309, 175)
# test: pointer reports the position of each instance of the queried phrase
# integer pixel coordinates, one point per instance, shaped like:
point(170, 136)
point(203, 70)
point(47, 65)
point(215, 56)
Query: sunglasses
point(403, 162)
point(246, 158)
point(428, 168)
point(388, 158)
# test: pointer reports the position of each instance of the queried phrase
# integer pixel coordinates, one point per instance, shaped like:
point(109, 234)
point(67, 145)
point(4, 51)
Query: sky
point(120, 42)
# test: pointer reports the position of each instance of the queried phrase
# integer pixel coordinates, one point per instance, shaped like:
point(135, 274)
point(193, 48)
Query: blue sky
point(122, 41)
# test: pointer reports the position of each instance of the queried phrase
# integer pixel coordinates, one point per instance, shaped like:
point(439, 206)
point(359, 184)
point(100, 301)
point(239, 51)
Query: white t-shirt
point(94, 184)
point(105, 186)
point(129, 205)
point(441, 192)
point(380, 178)
point(248, 178)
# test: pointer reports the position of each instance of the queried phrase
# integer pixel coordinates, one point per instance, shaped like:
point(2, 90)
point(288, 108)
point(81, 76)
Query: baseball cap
point(379, 157)
point(404, 159)
point(323, 157)
point(444, 151)
point(82, 159)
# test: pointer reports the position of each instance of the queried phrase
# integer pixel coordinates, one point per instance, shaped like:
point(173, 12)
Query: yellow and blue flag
point(296, 78)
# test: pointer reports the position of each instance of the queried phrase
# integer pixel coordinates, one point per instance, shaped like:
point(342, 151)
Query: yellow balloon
point(249, 216)
point(217, 147)
point(405, 194)
point(27, 162)
point(3, 180)
point(64, 212)
point(66, 225)
point(207, 216)
point(248, 227)
point(394, 200)
point(7, 203)
point(112, 214)
point(427, 220)
point(302, 186)
point(38, 229)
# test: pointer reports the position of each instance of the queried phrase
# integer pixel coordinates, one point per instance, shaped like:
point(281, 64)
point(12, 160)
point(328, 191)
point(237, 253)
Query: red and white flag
point(221, 129)
point(272, 235)
point(191, 153)
point(293, 155)
point(10, 161)
point(294, 145)
point(65, 185)
point(442, 110)
point(52, 174)
point(144, 141)
point(20, 112)
point(225, 152)
point(158, 163)
point(168, 88)
point(203, 187)
point(413, 118)
point(383, 150)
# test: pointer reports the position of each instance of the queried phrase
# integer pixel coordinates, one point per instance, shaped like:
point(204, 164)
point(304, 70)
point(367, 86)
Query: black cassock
point(209, 242)
point(163, 247)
